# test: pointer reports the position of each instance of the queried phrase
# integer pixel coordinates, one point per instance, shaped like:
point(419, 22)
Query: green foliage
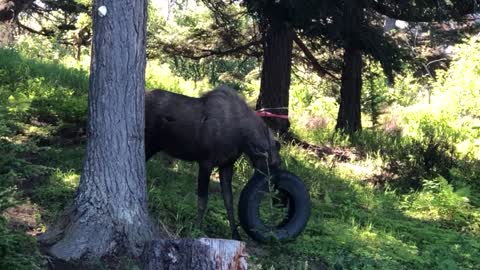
point(36, 88)
point(194, 38)
point(42, 93)
point(215, 69)
point(17, 250)
point(430, 151)
point(314, 108)
point(162, 77)
point(407, 89)
point(458, 88)
point(314, 96)
point(440, 201)
point(423, 148)
point(40, 47)
point(23, 168)
point(359, 227)
point(376, 95)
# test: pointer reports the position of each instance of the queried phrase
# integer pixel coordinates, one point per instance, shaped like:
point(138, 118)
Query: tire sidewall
point(250, 199)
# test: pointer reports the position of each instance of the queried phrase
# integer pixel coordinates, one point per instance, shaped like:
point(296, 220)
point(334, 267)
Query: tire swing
point(274, 207)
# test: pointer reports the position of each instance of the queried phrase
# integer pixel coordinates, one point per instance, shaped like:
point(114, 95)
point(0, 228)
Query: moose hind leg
point(151, 148)
point(204, 172)
point(226, 174)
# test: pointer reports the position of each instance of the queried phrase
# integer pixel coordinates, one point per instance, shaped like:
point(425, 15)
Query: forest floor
point(353, 224)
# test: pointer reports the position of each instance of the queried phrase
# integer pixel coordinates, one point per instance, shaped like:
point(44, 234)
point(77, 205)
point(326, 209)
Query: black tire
point(293, 194)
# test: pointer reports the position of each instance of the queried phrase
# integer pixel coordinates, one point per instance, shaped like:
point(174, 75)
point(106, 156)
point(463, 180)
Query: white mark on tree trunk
point(102, 11)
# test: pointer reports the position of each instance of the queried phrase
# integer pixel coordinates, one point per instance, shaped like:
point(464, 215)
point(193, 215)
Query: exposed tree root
point(321, 152)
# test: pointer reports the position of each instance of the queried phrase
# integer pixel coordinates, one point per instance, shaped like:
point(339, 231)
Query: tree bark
point(9, 9)
point(110, 214)
point(276, 70)
point(349, 116)
point(201, 254)
point(6, 33)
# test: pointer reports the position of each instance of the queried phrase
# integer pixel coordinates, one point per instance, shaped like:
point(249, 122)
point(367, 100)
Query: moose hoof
point(274, 210)
point(236, 236)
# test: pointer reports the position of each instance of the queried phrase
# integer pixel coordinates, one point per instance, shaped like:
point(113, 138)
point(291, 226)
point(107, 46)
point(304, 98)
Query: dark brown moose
point(213, 130)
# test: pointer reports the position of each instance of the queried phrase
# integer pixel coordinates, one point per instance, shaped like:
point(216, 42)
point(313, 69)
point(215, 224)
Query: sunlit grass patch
point(351, 245)
point(439, 202)
point(38, 130)
point(70, 178)
point(59, 188)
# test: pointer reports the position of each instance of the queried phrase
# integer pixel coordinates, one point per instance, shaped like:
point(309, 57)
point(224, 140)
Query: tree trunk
point(201, 254)
point(349, 116)
point(276, 69)
point(110, 214)
point(6, 33)
point(9, 9)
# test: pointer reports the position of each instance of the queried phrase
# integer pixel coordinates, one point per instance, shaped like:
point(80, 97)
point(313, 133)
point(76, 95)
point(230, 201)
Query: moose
point(213, 130)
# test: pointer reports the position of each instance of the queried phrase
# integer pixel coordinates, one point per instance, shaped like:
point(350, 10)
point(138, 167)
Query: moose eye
point(168, 119)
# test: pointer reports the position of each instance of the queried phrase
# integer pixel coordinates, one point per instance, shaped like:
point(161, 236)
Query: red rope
point(271, 115)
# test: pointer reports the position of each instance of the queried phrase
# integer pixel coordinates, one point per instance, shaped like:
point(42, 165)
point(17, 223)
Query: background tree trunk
point(276, 70)
point(110, 213)
point(349, 116)
point(7, 33)
point(9, 9)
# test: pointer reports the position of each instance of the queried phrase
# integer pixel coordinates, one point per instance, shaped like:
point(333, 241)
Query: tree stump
point(201, 254)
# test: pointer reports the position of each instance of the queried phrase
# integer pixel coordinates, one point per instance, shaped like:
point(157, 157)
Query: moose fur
point(213, 130)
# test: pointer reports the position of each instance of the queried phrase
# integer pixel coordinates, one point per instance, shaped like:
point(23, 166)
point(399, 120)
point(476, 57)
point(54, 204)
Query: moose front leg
point(226, 174)
point(204, 172)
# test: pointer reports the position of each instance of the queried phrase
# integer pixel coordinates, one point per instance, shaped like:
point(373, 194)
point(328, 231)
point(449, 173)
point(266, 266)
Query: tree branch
point(312, 60)
point(190, 53)
point(425, 11)
point(31, 30)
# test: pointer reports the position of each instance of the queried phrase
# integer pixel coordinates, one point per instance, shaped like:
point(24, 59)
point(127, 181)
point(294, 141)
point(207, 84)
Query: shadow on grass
point(37, 182)
point(44, 175)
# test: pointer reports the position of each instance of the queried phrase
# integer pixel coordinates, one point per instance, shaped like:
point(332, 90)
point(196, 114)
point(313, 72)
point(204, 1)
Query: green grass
point(23, 69)
point(353, 225)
